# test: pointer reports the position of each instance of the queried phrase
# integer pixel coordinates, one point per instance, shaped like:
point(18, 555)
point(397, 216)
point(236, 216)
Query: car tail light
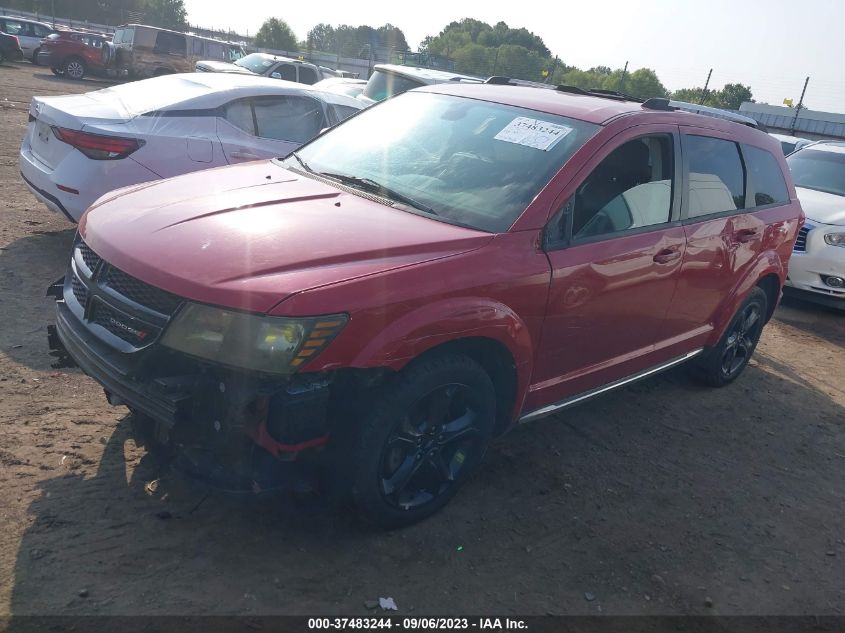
point(98, 146)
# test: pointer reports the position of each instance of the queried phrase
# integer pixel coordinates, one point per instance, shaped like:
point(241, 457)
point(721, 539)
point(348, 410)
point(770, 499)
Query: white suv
point(817, 267)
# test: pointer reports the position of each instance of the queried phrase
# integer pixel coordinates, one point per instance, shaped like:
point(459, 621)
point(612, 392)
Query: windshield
point(382, 85)
point(256, 63)
point(464, 161)
point(814, 169)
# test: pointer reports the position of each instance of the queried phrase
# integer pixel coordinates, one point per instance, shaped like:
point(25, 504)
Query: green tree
point(690, 95)
point(322, 38)
point(168, 14)
point(276, 33)
point(514, 60)
point(474, 59)
point(642, 83)
point(731, 96)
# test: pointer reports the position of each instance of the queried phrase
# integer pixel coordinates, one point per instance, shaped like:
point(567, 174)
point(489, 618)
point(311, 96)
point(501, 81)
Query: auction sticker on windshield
point(533, 133)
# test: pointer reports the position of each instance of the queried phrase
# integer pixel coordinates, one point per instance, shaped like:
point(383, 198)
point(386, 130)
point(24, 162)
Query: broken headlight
point(277, 345)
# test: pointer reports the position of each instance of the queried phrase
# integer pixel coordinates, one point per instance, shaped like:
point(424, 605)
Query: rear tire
point(35, 56)
point(74, 68)
point(724, 363)
point(424, 434)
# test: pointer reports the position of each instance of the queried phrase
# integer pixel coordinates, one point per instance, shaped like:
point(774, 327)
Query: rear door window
point(765, 177)
point(40, 31)
point(716, 176)
point(287, 72)
point(288, 118)
point(239, 114)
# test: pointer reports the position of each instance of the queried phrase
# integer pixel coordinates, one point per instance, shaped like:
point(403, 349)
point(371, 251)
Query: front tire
point(424, 434)
point(724, 363)
point(74, 68)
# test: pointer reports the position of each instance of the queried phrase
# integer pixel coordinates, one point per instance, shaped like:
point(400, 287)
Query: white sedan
point(79, 147)
point(817, 266)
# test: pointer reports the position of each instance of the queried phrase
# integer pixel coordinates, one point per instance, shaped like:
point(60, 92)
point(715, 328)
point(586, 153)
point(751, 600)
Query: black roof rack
point(500, 80)
point(658, 103)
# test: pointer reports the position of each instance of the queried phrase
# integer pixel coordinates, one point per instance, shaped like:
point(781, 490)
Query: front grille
point(79, 290)
point(117, 324)
point(91, 259)
point(122, 305)
point(135, 290)
point(801, 240)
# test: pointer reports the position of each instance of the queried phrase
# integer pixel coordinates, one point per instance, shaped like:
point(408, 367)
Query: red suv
point(73, 54)
point(388, 298)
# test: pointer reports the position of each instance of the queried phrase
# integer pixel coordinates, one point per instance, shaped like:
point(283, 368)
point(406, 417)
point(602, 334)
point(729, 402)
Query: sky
point(771, 45)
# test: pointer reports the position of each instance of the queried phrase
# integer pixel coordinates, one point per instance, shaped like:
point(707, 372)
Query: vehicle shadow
point(660, 498)
point(95, 82)
point(27, 267)
point(822, 321)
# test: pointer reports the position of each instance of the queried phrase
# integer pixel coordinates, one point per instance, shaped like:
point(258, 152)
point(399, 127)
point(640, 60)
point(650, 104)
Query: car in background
point(140, 51)
point(388, 80)
point(421, 278)
point(273, 66)
point(73, 54)
point(78, 147)
point(29, 34)
point(10, 48)
point(790, 144)
point(342, 85)
point(817, 268)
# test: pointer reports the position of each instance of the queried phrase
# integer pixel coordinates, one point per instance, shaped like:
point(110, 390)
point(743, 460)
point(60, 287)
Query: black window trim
point(565, 212)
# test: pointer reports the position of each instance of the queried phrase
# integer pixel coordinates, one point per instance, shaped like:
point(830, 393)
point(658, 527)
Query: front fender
point(447, 321)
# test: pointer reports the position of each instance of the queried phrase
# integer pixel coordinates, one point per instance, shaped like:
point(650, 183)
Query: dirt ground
point(663, 498)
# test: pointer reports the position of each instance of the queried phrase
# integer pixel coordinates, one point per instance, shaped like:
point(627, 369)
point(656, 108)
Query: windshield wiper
point(302, 162)
point(367, 184)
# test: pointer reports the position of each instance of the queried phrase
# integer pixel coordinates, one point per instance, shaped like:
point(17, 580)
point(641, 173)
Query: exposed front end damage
point(235, 426)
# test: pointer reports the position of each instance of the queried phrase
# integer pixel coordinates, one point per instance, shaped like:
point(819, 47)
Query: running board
point(552, 408)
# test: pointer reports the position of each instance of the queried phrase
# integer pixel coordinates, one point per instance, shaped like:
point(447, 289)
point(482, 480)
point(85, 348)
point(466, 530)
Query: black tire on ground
point(722, 364)
point(423, 435)
point(58, 72)
point(74, 68)
point(2, 56)
point(35, 56)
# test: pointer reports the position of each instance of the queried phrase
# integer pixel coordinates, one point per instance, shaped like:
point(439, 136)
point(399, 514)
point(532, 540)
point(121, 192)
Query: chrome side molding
point(568, 402)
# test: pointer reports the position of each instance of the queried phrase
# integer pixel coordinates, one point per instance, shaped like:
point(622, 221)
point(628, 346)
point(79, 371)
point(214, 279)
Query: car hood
point(827, 208)
point(222, 67)
point(248, 236)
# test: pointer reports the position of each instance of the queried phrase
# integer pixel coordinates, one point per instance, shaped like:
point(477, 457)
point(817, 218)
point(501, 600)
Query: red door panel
point(606, 308)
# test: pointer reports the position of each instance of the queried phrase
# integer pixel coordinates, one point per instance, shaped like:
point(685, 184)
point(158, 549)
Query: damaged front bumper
point(195, 404)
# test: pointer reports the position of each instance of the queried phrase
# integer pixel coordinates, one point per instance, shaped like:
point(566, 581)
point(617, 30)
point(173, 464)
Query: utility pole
point(704, 92)
point(622, 78)
point(800, 103)
point(496, 60)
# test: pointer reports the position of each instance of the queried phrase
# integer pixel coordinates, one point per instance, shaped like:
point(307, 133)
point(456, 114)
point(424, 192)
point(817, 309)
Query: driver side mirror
point(275, 75)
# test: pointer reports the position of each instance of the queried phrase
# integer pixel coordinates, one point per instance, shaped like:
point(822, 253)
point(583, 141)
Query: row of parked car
point(378, 303)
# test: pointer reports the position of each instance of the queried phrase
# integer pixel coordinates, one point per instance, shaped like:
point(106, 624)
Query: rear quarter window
point(170, 43)
point(765, 177)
